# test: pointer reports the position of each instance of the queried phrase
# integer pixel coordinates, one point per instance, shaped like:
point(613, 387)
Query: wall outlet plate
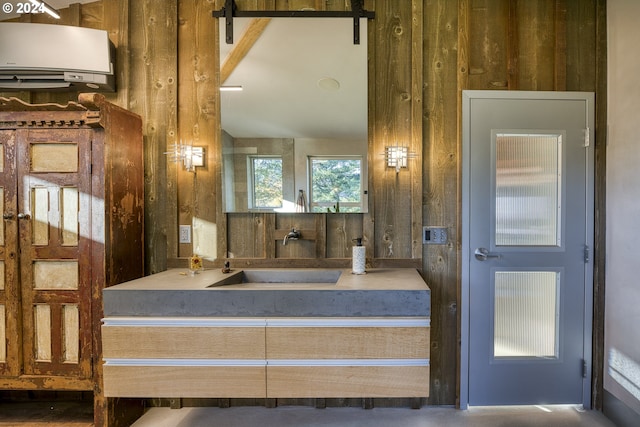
point(434, 235)
point(185, 234)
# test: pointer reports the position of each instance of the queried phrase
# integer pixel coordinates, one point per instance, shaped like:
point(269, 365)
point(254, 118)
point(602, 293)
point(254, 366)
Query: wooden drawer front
point(183, 342)
point(184, 381)
point(347, 381)
point(348, 343)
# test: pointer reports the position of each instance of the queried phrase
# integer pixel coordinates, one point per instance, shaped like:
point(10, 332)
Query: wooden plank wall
point(422, 54)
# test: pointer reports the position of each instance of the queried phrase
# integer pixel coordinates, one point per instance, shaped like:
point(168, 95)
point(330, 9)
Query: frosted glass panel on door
point(525, 315)
point(528, 176)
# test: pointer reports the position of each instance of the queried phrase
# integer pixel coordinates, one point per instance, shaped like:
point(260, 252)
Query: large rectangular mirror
point(294, 115)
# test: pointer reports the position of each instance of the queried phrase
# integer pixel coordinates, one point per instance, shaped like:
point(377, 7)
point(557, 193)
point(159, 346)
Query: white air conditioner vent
point(43, 57)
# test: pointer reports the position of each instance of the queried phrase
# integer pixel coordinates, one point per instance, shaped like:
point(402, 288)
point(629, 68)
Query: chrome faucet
point(292, 235)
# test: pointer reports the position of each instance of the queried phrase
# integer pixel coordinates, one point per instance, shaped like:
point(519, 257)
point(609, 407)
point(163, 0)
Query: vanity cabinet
point(266, 357)
point(71, 195)
point(349, 357)
point(184, 357)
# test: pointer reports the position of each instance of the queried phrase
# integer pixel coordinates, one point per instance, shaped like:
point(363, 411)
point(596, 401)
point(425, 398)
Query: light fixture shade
point(396, 156)
point(190, 156)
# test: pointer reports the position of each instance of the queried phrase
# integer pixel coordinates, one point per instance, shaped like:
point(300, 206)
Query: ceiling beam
point(251, 35)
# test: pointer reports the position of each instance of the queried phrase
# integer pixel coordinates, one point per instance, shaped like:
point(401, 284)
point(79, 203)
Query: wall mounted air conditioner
point(43, 57)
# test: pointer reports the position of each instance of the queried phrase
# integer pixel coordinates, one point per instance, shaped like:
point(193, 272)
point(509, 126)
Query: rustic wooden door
point(53, 181)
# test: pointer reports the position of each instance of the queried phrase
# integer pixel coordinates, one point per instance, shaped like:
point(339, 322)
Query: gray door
point(527, 233)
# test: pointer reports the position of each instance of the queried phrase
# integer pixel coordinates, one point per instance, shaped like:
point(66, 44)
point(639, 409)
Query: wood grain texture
point(184, 381)
point(536, 44)
point(153, 95)
point(10, 293)
point(392, 124)
point(183, 342)
point(600, 59)
point(199, 117)
point(341, 229)
point(347, 381)
point(248, 239)
point(347, 343)
point(488, 24)
point(440, 189)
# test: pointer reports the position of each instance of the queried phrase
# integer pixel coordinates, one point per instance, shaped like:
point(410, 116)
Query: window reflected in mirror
point(336, 184)
point(265, 178)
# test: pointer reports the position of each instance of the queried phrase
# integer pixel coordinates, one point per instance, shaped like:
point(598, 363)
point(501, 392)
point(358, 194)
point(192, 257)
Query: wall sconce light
point(397, 156)
point(190, 156)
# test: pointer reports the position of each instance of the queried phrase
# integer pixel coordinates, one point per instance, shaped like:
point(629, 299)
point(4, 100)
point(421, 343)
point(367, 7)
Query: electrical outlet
point(185, 234)
point(434, 235)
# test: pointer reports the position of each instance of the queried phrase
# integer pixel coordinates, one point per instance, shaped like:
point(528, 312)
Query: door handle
point(482, 254)
point(7, 215)
point(24, 216)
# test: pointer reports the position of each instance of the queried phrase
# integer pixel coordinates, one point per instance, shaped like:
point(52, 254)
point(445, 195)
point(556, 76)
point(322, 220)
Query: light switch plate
point(434, 235)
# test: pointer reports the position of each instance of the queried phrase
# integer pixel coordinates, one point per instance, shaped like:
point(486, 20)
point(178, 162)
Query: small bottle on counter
point(195, 264)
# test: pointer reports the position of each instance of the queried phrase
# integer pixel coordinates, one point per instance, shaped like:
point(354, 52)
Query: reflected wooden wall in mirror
point(294, 116)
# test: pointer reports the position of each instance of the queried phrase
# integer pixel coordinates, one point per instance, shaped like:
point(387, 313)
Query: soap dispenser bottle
point(358, 257)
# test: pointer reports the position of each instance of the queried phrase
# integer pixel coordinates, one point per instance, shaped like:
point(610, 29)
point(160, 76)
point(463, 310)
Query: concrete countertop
point(380, 292)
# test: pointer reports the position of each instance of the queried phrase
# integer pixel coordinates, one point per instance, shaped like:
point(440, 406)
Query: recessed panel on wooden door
point(9, 292)
point(54, 169)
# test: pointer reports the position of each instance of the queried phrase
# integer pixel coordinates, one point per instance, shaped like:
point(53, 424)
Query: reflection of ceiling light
point(51, 11)
point(329, 83)
point(230, 88)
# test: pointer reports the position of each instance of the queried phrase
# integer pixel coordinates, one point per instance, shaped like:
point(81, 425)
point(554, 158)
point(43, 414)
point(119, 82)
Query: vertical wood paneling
point(199, 114)
point(116, 22)
point(341, 229)
point(249, 236)
point(581, 45)
point(153, 95)
point(487, 22)
point(392, 124)
point(536, 40)
point(417, 109)
point(440, 191)
point(302, 248)
point(600, 217)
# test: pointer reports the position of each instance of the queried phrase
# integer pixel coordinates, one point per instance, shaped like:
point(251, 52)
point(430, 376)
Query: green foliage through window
point(267, 182)
point(336, 184)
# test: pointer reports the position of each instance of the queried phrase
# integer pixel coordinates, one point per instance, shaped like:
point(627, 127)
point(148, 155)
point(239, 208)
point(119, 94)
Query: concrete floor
point(289, 416)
